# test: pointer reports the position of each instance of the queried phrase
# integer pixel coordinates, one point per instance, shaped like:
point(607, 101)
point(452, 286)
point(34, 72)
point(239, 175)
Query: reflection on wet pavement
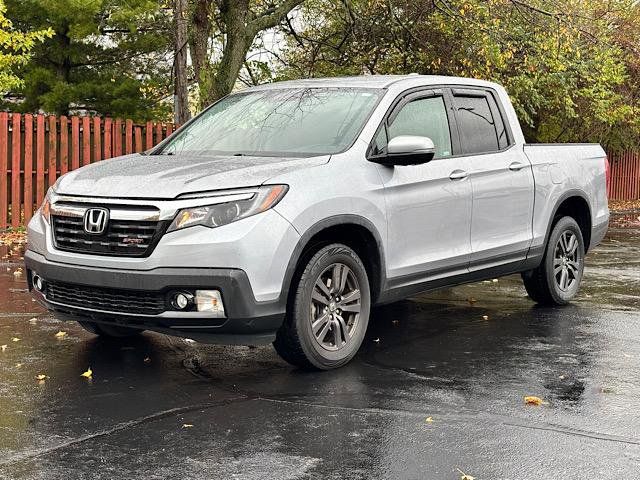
point(160, 407)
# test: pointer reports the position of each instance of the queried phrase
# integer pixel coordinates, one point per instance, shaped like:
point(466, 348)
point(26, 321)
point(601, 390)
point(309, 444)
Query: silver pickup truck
point(284, 212)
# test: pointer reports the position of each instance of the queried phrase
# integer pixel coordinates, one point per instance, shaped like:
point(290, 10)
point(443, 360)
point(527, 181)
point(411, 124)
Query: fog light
point(209, 301)
point(38, 283)
point(182, 300)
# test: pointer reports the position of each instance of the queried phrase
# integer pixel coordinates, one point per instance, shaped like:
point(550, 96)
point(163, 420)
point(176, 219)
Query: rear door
point(501, 180)
point(429, 205)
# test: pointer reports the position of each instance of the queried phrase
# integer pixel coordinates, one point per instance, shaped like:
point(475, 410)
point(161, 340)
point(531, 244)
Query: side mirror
point(407, 150)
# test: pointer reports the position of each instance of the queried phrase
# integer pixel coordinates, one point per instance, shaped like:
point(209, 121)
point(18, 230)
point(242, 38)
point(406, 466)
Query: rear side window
point(480, 131)
point(426, 117)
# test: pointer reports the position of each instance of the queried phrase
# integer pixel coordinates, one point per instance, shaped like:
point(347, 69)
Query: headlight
point(220, 214)
point(45, 208)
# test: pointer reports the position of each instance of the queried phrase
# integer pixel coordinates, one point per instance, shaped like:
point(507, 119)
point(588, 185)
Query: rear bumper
point(247, 321)
point(598, 232)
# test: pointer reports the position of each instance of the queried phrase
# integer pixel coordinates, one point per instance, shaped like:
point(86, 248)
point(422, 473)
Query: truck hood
point(167, 176)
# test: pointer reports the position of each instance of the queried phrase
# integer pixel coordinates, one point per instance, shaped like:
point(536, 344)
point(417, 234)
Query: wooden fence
point(624, 183)
point(36, 149)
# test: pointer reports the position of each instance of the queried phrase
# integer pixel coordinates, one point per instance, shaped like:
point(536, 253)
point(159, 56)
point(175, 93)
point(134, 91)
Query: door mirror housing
point(407, 150)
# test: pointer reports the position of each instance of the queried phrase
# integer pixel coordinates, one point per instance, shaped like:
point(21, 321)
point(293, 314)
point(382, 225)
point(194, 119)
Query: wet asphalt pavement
point(160, 407)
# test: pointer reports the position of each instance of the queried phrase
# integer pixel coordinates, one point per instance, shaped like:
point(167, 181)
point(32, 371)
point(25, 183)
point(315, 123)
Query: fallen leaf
point(41, 376)
point(18, 365)
point(147, 360)
point(15, 339)
point(495, 280)
point(561, 377)
point(88, 373)
point(33, 320)
point(471, 300)
point(464, 476)
point(187, 425)
point(61, 334)
point(429, 420)
point(17, 273)
point(3, 347)
point(485, 317)
point(377, 340)
point(188, 340)
point(533, 400)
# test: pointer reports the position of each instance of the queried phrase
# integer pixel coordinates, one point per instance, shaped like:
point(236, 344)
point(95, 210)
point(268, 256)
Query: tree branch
point(270, 20)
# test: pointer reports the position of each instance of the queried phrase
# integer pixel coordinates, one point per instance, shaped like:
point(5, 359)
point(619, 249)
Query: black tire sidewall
point(318, 356)
point(563, 225)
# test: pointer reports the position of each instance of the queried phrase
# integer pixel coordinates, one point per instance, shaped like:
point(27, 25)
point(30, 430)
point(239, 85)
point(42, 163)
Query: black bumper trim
point(246, 317)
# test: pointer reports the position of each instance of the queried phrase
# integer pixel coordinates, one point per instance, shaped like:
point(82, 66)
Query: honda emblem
point(95, 220)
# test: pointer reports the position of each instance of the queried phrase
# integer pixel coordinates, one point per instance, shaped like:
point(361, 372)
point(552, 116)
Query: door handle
point(515, 166)
point(458, 175)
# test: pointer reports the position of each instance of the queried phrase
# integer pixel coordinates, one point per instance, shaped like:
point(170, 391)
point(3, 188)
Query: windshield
point(279, 122)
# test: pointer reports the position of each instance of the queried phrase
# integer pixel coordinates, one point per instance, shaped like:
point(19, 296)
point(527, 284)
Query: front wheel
point(557, 280)
point(329, 313)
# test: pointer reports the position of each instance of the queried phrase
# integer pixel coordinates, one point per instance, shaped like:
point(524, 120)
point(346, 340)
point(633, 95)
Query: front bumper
point(247, 321)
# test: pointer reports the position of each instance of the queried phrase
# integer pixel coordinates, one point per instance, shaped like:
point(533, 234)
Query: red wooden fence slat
point(64, 145)
point(169, 129)
point(148, 135)
point(40, 134)
point(128, 137)
point(16, 147)
point(137, 133)
point(75, 143)
point(117, 137)
point(97, 146)
point(86, 140)
point(159, 136)
point(53, 150)
point(4, 153)
point(28, 167)
point(107, 138)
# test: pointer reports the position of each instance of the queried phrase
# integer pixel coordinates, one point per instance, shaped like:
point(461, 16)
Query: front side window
point(425, 117)
point(279, 122)
point(478, 128)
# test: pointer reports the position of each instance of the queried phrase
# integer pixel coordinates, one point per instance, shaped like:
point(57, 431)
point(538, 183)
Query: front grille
point(127, 238)
point(107, 299)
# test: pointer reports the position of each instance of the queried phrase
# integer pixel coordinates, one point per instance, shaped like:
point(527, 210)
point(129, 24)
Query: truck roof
point(376, 81)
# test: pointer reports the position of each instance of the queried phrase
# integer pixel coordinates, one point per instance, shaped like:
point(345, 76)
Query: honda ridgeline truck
point(283, 213)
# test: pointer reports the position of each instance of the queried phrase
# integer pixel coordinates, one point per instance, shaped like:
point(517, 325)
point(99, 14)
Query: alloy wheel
point(566, 261)
point(335, 307)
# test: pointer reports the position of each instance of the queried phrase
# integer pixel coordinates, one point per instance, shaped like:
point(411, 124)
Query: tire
point(557, 280)
point(339, 321)
point(110, 331)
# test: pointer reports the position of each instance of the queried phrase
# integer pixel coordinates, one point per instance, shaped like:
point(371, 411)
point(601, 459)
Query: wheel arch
point(575, 204)
point(354, 231)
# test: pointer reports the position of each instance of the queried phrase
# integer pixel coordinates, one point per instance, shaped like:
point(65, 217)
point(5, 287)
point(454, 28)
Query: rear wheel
point(557, 280)
point(329, 314)
point(113, 331)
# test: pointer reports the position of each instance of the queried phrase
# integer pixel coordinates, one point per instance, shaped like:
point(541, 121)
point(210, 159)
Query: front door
point(429, 205)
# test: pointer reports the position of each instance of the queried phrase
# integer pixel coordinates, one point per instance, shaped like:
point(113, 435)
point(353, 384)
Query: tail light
point(607, 174)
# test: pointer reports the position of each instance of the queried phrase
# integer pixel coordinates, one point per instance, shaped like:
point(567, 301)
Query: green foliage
point(107, 57)
point(15, 48)
point(567, 72)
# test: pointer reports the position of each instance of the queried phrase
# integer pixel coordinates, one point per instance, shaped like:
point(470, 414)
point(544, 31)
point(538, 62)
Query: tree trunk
point(181, 111)
point(200, 31)
point(240, 29)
